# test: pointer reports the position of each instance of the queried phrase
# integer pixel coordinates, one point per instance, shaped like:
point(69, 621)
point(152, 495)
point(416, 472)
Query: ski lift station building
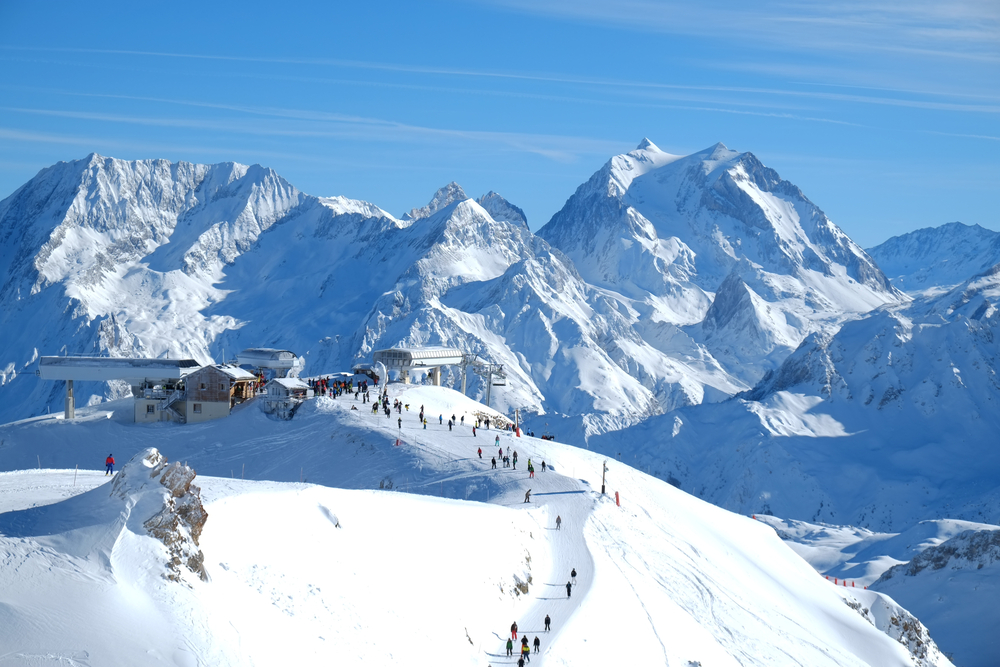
point(425, 359)
point(283, 362)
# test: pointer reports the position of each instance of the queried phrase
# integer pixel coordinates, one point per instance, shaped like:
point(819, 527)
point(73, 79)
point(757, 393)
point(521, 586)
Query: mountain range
point(699, 275)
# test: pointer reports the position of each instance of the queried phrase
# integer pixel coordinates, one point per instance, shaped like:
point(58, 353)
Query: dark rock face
point(973, 549)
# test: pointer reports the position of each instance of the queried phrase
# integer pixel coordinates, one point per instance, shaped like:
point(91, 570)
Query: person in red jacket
point(110, 463)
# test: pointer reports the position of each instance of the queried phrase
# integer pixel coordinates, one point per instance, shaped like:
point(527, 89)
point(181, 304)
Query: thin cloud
point(328, 125)
point(968, 29)
point(618, 84)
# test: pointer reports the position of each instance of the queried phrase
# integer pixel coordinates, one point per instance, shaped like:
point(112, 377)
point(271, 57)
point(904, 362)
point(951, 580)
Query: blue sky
point(886, 115)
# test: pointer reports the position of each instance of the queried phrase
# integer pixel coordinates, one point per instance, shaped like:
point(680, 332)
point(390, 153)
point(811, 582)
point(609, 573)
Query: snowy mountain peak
point(443, 197)
point(647, 145)
point(502, 210)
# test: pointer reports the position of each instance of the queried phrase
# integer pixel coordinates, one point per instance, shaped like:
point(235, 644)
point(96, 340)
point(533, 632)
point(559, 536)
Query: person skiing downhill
point(569, 589)
point(548, 623)
point(573, 576)
point(558, 522)
point(110, 463)
point(538, 644)
point(526, 650)
point(513, 630)
point(527, 496)
point(480, 450)
point(510, 647)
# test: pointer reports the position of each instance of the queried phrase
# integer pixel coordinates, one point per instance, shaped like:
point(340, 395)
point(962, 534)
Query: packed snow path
point(554, 493)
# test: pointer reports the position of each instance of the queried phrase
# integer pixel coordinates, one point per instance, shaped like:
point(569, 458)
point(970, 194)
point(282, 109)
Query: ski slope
point(332, 569)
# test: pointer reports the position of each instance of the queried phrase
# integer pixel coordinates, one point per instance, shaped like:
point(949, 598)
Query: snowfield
point(301, 573)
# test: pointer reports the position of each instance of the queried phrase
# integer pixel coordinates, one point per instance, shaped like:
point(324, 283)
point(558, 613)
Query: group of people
point(525, 649)
point(509, 460)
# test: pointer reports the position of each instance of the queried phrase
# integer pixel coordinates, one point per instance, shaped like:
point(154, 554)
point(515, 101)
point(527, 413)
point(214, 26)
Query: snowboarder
point(510, 647)
point(569, 589)
point(480, 450)
point(548, 623)
point(513, 630)
point(110, 463)
point(573, 576)
point(538, 644)
point(527, 496)
point(558, 522)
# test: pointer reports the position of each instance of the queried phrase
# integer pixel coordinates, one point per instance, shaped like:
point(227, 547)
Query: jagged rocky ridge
point(180, 520)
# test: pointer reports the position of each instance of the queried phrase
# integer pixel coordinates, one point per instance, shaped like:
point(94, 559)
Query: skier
point(513, 630)
point(548, 622)
point(526, 650)
point(399, 421)
point(425, 424)
point(449, 426)
point(498, 441)
point(494, 462)
point(473, 431)
point(510, 647)
point(527, 496)
point(462, 422)
point(520, 662)
point(569, 589)
point(500, 453)
point(531, 470)
point(573, 576)
point(538, 644)
point(110, 463)
point(558, 522)
point(480, 450)
point(440, 420)
point(514, 459)
point(543, 466)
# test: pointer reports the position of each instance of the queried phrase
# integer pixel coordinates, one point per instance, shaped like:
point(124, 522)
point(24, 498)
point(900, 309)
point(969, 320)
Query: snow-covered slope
point(719, 239)
point(890, 421)
point(937, 256)
point(297, 572)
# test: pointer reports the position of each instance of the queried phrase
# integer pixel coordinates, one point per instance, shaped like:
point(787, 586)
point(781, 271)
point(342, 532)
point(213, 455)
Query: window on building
point(150, 409)
point(222, 386)
point(202, 385)
point(197, 408)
